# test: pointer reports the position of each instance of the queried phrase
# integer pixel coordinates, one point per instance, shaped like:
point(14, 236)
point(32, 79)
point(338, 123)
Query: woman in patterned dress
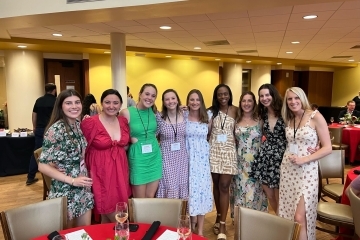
point(245, 191)
point(171, 133)
point(299, 167)
point(64, 147)
point(197, 127)
point(266, 167)
point(223, 161)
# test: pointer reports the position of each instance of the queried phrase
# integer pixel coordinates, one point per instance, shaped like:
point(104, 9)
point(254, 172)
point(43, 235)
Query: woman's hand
point(86, 116)
point(313, 150)
point(82, 182)
point(294, 159)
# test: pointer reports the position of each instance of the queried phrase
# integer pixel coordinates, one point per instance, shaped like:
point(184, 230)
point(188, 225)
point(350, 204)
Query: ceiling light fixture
point(308, 17)
point(351, 60)
point(197, 48)
point(248, 61)
point(168, 56)
point(165, 27)
point(289, 52)
point(107, 52)
point(295, 42)
point(217, 59)
point(22, 46)
point(57, 34)
point(278, 63)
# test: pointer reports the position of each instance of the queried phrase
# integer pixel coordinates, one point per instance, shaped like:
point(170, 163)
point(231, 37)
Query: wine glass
point(121, 213)
point(122, 230)
point(332, 120)
point(184, 227)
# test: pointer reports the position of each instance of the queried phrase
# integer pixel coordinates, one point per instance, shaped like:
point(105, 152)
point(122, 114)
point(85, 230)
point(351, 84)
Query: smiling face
point(293, 101)
point(247, 104)
point(147, 96)
point(194, 102)
point(223, 96)
point(111, 105)
point(351, 106)
point(72, 107)
point(170, 100)
point(265, 97)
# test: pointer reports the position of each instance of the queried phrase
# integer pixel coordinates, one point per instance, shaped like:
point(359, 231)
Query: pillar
point(232, 76)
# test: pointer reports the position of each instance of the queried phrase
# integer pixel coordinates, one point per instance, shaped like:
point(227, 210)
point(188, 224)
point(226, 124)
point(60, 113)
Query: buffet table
point(15, 153)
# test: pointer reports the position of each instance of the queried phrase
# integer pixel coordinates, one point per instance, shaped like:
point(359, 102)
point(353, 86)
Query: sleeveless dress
point(175, 175)
point(245, 191)
point(107, 163)
point(200, 194)
point(297, 181)
point(266, 167)
point(144, 156)
point(222, 154)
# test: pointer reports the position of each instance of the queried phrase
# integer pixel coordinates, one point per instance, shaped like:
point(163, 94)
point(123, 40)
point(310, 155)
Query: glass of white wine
point(332, 120)
point(184, 227)
point(121, 214)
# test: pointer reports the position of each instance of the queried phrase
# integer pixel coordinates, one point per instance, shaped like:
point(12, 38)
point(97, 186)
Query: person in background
point(299, 168)
point(223, 161)
point(144, 153)
point(266, 167)
point(356, 99)
point(40, 118)
point(89, 106)
point(171, 129)
point(64, 146)
point(197, 127)
point(350, 105)
point(130, 101)
point(108, 136)
point(245, 191)
point(314, 106)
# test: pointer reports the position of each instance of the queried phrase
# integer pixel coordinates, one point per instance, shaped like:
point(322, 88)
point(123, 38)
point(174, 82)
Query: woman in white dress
point(299, 168)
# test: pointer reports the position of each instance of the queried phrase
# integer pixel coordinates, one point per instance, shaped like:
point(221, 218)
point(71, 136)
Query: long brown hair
point(142, 90)
point(276, 102)
point(202, 111)
point(254, 115)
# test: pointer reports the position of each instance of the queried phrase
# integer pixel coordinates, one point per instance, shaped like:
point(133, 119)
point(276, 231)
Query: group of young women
point(250, 152)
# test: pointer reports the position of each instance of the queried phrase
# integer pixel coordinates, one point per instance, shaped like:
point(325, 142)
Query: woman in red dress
point(108, 137)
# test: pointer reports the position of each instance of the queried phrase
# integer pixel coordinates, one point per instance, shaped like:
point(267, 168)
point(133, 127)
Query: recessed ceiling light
point(57, 34)
point(278, 63)
point(351, 60)
point(307, 17)
point(107, 52)
point(248, 61)
point(197, 48)
point(217, 59)
point(289, 52)
point(22, 46)
point(168, 56)
point(295, 42)
point(165, 27)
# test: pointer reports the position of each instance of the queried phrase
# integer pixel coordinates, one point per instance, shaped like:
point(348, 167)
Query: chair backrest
point(47, 179)
point(332, 165)
point(148, 210)
point(355, 209)
point(268, 226)
point(336, 134)
point(35, 219)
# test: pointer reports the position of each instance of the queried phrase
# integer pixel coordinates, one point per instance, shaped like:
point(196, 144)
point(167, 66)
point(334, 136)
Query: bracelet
point(72, 182)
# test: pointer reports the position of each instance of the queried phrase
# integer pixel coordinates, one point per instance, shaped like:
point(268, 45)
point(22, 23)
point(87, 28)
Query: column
point(24, 74)
point(118, 64)
point(260, 74)
point(233, 78)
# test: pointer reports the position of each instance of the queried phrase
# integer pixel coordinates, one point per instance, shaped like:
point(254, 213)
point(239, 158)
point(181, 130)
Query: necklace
point(247, 121)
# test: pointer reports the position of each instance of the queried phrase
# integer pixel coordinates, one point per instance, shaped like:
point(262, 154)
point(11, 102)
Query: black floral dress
point(266, 167)
point(64, 148)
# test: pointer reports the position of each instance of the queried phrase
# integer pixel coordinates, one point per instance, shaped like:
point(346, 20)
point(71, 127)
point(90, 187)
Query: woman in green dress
point(144, 153)
point(64, 147)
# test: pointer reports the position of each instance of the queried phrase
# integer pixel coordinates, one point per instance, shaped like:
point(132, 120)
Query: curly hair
point(88, 100)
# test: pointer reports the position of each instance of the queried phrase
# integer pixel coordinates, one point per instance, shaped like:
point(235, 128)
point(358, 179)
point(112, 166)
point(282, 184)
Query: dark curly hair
point(88, 100)
point(276, 103)
point(215, 108)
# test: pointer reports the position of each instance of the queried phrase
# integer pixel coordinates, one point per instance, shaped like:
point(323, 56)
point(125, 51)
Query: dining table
point(106, 232)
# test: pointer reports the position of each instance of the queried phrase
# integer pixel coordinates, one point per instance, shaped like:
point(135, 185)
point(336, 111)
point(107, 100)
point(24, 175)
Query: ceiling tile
point(204, 32)
point(104, 39)
point(123, 23)
point(262, 20)
point(301, 33)
point(338, 23)
point(239, 36)
point(234, 22)
point(270, 11)
point(268, 54)
point(175, 34)
point(347, 14)
point(235, 42)
point(156, 27)
point(270, 27)
point(30, 30)
point(233, 30)
point(305, 25)
point(190, 18)
point(317, 7)
point(227, 15)
point(350, 5)
point(197, 25)
point(135, 29)
point(159, 41)
point(64, 28)
point(152, 21)
point(79, 33)
point(211, 38)
point(97, 27)
point(153, 35)
point(269, 34)
point(185, 40)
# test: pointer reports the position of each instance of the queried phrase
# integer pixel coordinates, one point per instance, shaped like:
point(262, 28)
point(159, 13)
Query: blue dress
point(200, 195)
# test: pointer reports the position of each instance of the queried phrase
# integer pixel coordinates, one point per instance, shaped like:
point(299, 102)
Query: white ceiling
point(269, 31)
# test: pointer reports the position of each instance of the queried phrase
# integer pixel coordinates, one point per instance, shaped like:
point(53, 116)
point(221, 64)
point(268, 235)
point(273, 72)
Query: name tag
point(2, 134)
point(146, 148)
point(221, 138)
point(175, 147)
point(23, 134)
point(15, 134)
point(293, 148)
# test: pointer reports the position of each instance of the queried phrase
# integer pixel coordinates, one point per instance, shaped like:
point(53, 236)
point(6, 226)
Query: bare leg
point(193, 220)
point(270, 194)
point(108, 218)
point(224, 185)
point(139, 191)
point(83, 220)
point(276, 191)
point(200, 224)
point(151, 189)
point(216, 193)
point(300, 217)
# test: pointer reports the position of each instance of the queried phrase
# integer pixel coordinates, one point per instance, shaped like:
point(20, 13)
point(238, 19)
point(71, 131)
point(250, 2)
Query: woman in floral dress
point(64, 147)
point(245, 191)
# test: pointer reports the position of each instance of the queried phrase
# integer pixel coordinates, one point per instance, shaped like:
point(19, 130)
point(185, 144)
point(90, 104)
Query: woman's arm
point(125, 113)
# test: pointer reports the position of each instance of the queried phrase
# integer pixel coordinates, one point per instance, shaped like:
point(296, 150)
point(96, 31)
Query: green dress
point(144, 156)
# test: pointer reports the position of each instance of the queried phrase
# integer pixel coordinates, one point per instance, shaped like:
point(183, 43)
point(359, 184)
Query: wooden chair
point(332, 166)
point(148, 210)
point(268, 226)
point(336, 136)
point(355, 208)
point(35, 219)
point(46, 179)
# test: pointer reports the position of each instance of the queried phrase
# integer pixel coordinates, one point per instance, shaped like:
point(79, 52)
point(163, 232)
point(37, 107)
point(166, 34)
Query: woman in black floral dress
point(64, 147)
point(266, 168)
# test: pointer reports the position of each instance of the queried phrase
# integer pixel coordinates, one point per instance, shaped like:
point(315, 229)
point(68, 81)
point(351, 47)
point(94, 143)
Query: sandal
point(221, 236)
point(216, 228)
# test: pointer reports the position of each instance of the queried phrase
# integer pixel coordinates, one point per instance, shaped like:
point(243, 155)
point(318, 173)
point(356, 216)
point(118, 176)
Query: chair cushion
point(335, 211)
point(335, 189)
point(338, 146)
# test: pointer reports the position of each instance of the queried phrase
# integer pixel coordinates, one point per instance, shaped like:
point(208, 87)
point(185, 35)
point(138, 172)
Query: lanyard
point(147, 129)
point(295, 130)
point(222, 124)
point(174, 129)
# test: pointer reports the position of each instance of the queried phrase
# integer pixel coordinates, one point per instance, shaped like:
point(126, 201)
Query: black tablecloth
point(15, 153)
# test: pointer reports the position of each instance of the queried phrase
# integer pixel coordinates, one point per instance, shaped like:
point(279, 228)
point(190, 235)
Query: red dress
point(107, 164)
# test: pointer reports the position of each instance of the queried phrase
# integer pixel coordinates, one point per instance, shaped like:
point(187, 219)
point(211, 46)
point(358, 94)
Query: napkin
point(77, 235)
point(169, 235)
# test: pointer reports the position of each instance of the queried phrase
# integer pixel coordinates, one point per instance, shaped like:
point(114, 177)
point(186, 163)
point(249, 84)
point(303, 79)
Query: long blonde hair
point(286, 113)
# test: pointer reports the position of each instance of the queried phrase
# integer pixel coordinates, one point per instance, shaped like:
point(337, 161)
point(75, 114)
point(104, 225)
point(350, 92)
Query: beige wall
point(346, 85)
point(2, 88)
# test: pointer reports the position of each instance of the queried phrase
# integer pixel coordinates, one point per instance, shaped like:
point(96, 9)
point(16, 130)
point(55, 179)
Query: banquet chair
point(34, 220)
point(355, 208)
point(336, 136)
point(269, 226)
point(148, 210)
point(332, 166)
point(46, 179)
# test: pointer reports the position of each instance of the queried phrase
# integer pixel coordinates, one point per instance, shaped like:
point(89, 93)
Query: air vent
point(247, 51)
point(81, 1)
point(140, 54)
point(341, 56)
point(355, 47)
point(217, 43)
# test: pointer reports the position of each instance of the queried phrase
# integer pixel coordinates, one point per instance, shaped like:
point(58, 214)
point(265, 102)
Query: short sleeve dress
point(107, 163)
point(144, 156)
point(175, 178)
point(266, 167)
point(65, 149)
